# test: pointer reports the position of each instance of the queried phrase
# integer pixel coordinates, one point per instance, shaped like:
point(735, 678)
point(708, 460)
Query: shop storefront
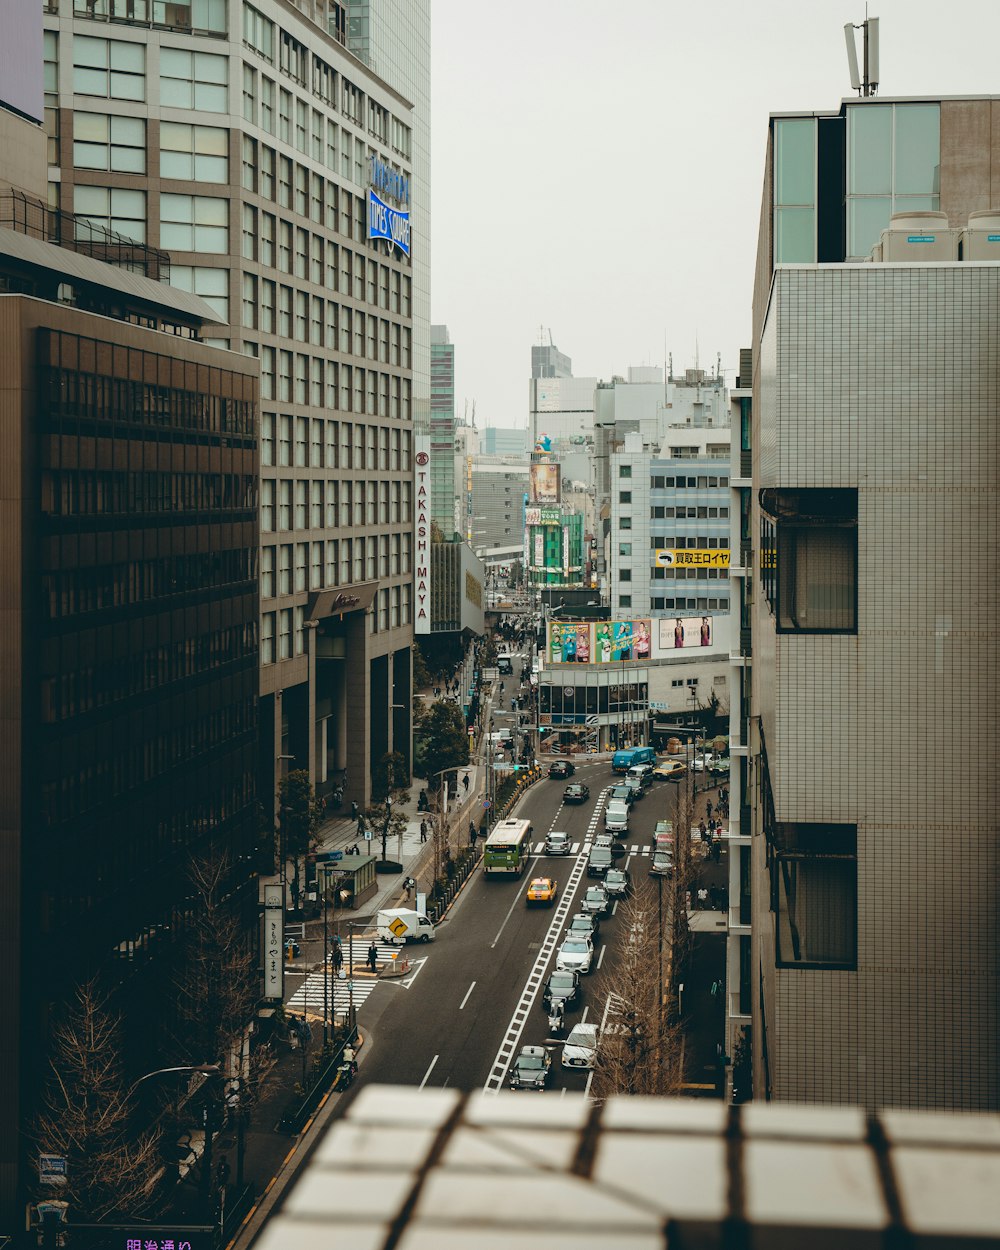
point(588, 710)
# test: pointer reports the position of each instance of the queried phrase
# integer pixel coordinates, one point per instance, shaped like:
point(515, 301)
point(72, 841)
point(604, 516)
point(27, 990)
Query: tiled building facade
point(874, 677)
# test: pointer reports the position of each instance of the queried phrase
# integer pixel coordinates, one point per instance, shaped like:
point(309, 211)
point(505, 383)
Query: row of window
point(72, 591)
point(311, 71)
point(317, 504)
point(292, 568)
point(89, 492)
point(291, 313)
point(292, 377)
point(697, 542)
point(134, 763)
point(701, 482)
point(701, 604)
point(809, 559)
point(320, 444)
point(96, 398)
point(201, 16)
point(79, 687)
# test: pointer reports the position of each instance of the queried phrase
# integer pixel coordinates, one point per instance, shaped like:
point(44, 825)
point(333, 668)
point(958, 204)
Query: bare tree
point(217, 983)
point(639, 1049)
point(300, 814)
point(680, 889)
point(87, 1117)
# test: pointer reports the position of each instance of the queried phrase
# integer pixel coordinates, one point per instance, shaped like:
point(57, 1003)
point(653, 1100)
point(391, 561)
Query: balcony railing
point(29, 216)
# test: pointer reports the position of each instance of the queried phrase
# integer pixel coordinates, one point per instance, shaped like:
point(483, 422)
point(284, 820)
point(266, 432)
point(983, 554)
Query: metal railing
point(31, 217)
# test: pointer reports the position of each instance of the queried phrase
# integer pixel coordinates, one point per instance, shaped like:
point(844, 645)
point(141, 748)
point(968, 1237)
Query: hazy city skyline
point(562, 143)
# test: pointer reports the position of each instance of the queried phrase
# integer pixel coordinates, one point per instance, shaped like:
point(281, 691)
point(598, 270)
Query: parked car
point(542, 890)
point(720, 766)
point(580, 1050)
point(561, 768)
point(670, 770)
point(616, 882)
point(575, 955)
point(595, 900)
point(599, 862)
point(561, 985)
point(576, 792)
point(531, 1069)
point(557, 843)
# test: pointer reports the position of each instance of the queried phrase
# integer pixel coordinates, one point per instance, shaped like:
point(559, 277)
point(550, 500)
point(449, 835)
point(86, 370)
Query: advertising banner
point(388, 223)
point(606, 642)
point(570, 642)
point(543, 482)
point(690, 557)
point(273, 954)
point(684, 631)
point(539, 562)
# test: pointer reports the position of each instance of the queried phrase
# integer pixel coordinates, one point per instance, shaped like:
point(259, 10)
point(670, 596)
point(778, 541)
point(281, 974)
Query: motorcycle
point(556, 1018)
point(344, 1076)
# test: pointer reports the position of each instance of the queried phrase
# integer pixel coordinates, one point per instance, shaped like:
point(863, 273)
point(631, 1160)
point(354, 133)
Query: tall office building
point(128, 711)
point(442, 448)
point(287, 177)
point(547, 361)
point(873, 686)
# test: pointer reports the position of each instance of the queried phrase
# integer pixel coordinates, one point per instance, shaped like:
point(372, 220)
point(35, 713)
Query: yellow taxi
point(670, 770)
point(542, 890)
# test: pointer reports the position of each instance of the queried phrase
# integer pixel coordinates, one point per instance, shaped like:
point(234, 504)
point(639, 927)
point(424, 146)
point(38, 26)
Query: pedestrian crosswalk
point(341, 992)
point(635, 849)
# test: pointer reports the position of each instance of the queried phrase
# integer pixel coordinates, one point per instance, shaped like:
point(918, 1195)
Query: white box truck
point(401, 924)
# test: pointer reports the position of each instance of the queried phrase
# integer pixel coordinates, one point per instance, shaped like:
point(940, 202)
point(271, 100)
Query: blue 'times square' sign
point(387, 223)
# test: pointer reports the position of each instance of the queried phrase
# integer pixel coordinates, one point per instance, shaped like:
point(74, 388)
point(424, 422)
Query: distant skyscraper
point(443, 431)
point(549, 362)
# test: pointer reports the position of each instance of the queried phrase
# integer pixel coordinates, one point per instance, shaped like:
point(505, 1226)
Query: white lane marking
point(466, 998)
point(600, 957)
point(583, 1017)
point(494, 1082)
point(429, 1071)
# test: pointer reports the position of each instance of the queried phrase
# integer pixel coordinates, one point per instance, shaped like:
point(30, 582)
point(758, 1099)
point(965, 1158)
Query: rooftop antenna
point(866, 86)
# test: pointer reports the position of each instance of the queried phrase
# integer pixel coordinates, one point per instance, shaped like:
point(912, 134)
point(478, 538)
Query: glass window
point(194, 223)
point(869, 149)
point(867, 217)
point(916, 149)
point(194, 153)
point(194, 80)
point(109, 143)
point(212, 285)
point(115, 208)
point(109, 68)
point(794, 236)
point(795, 160)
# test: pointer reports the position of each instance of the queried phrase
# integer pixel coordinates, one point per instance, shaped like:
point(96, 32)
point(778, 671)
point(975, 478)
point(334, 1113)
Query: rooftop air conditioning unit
point(981, 237)
point(914, 237)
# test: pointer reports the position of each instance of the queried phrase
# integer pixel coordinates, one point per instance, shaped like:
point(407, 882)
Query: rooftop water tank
point(981, 237)
point(919, 236)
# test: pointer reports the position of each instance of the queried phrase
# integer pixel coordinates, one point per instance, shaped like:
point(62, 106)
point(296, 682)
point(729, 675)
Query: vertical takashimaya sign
point(422, 492)
point(272, 946)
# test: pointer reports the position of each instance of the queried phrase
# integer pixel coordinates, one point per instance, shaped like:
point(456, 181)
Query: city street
point(475, 998)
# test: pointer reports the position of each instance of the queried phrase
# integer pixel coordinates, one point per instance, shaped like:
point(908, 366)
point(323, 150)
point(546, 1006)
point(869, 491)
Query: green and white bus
point(508, 848)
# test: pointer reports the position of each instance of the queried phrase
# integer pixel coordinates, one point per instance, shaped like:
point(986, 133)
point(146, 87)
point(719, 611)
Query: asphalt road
point(463, 1011)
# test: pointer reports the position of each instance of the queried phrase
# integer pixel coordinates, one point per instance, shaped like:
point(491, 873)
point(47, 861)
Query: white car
point(580, 1050)
point(575, 955)
point(701, 762)
point(557, 843)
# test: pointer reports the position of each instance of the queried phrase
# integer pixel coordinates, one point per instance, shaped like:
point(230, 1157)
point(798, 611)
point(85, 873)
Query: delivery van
point(401, 924)
point(616, 816)
point(623, 760)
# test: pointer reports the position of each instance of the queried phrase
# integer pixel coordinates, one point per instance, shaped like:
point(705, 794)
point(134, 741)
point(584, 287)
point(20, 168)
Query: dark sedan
point(561, 768)
point(564, 986)
point(576, 792)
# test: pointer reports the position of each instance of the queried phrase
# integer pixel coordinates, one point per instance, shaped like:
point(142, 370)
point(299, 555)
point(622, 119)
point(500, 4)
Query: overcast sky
point(597, 166)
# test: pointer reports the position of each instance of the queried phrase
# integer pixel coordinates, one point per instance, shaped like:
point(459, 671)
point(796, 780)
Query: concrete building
point(547, 361)
point(288, 178)
point(128, 711)
point(499, 441)
point(874, 679)
point(498, 489)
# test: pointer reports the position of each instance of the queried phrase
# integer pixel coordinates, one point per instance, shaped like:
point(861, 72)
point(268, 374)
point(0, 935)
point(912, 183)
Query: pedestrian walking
point(338, 955)
point(708, 810)
point(702, 898)
point(717, 850)
point(702, 828)
point(465, 782)
point(472, 834)
point(373, 957)
point(423, 831)
point(361, 826)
